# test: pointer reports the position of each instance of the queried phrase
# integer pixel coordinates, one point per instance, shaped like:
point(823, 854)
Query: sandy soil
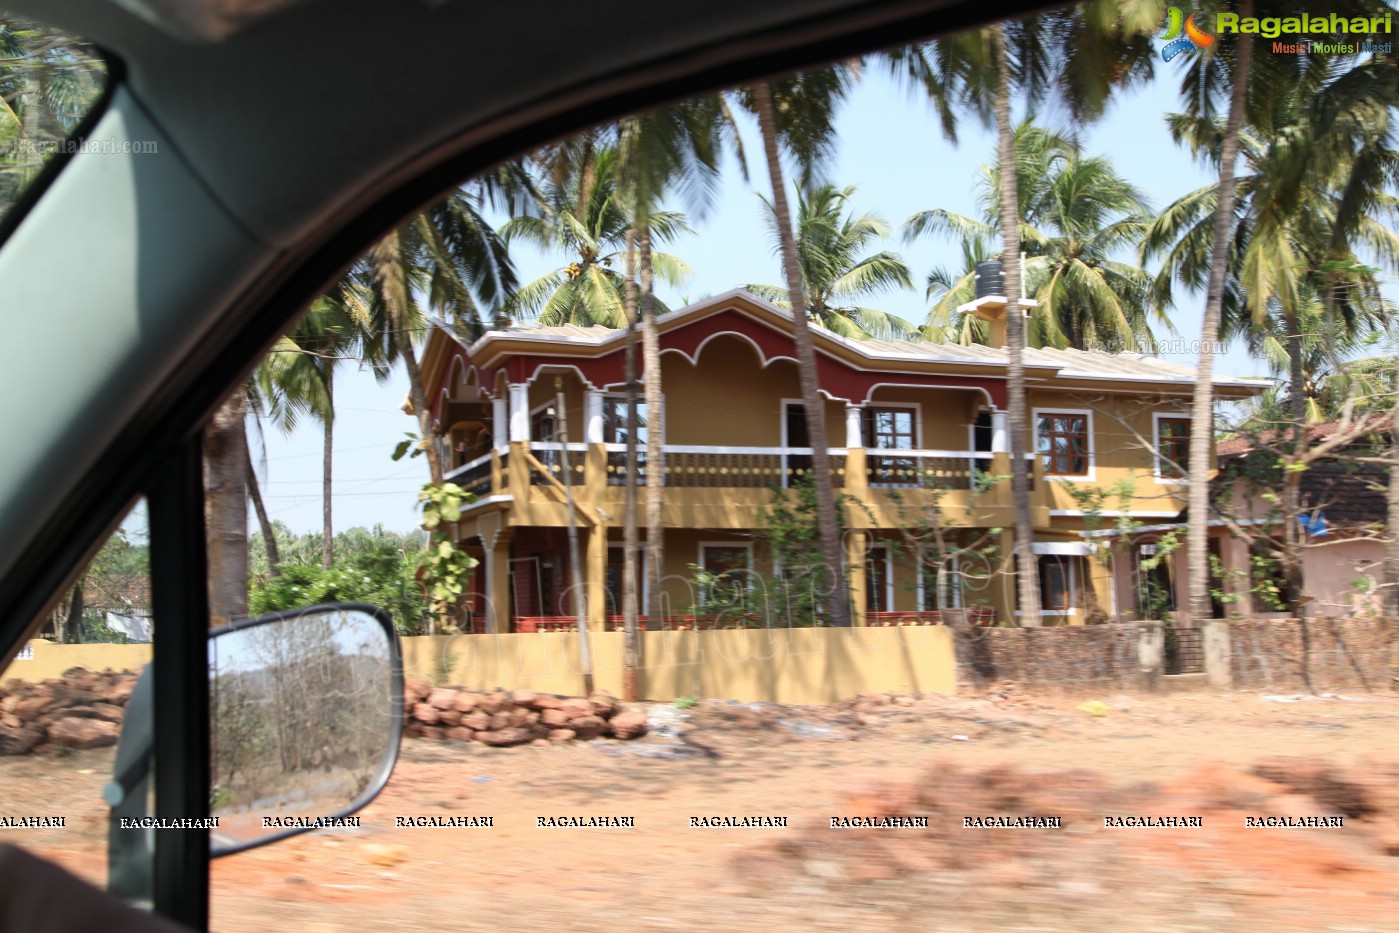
point(662, 875)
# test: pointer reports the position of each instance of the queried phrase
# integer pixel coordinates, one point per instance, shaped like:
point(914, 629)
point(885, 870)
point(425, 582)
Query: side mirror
point(306, 713)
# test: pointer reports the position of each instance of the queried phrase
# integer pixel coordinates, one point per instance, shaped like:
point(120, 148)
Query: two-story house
point(918, 435)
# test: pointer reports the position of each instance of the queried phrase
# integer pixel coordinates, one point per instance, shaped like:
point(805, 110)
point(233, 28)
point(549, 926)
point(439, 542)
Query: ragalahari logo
point(1194, 37)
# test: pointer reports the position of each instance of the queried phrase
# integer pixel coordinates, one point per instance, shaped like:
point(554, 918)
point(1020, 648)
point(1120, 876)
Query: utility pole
point(580, 596)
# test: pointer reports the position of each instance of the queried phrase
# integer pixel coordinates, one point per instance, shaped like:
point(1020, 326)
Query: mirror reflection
point(303, 724)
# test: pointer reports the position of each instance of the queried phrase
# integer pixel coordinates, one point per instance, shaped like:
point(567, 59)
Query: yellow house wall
point(776, 665)
point(51, 660)
point(1117, 452)
point(945, 416)
point(542, 392)
point(728, 401)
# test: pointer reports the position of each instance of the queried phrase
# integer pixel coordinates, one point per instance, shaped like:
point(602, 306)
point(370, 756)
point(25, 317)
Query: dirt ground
point(730, 760)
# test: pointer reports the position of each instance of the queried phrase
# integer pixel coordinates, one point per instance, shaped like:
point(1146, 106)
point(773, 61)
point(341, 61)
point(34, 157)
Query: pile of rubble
point(1365, 796)
point(515, 717)
point(82, 709)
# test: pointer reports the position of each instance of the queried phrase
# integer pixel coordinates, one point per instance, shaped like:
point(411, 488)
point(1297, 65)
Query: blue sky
point(891, 151)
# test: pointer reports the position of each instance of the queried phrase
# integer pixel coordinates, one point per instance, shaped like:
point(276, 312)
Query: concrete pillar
point(592, 417)
point(595, 577)
point(854, 429)
point(856, 544)
point(500, 423)
point(856, 474)
point(498, 595)
point(1000, 436)
point(517, 468)
point(519, 413)
point(1151, 654)
point(1214, 635)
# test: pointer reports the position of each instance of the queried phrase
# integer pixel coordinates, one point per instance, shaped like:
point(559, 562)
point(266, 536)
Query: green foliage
point(686, 702)
point(371, 566)
point(1262, 582)
point(413, 443)
point(442, 503)
point(836, 271)
point(791, 529)
point(445, 569)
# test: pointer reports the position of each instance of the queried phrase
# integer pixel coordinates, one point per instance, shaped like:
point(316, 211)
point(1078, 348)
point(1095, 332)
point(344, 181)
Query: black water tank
point(989, 279)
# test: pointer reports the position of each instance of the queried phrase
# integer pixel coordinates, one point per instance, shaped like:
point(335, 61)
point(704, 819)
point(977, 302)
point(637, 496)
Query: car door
point(237, 182)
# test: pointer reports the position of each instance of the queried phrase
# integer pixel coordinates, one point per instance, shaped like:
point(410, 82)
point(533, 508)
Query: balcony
point(707, 467)
point(474, 476)
point(690, 467)
point(932, 469)
point(596, 467)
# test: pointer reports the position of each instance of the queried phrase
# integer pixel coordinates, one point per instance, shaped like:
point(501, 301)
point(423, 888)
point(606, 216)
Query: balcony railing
point(474, 477)
point(705, 467)
point(929, 469)
point(550, 454)
point(692, 467)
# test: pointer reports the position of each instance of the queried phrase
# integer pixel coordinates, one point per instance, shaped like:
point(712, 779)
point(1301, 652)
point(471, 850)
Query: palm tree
point(803, 126)
point(1084, 54)
point(583, 216)
point(1318, 161)
point(226, 509)
point(830, 244)
point(48, 83)
point(1332, 381)
point(297, 377)
point(447, 257)
point(676, 147)
point(1076, 215)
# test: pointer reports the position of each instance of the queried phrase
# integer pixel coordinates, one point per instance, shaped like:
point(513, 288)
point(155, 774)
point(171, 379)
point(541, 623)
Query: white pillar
point(500, 423)
point(854, 433)
point(1000, 438)
point(519, 413)
point(592, 417)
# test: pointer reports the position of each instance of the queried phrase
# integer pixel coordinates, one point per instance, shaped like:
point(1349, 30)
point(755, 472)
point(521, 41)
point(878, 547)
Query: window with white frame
point(888, 428)
point(1172, 446)
point(727, 573)
point(1064, 441)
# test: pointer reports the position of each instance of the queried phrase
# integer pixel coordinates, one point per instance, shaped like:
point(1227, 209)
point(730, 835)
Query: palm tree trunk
point(631, 635)
point(1026, 567)
point(655, 435)
point(393, 287)
point(1292, 481)
point(1202, 408)
point(837, 601)
point(269, 537)
point(327, 458)
point(1391, 553)
point(74, 626)
point(226, 510)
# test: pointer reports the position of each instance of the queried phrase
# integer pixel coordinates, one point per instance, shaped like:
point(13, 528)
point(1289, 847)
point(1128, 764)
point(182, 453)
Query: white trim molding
point(1113, 513)
point(1061, 548)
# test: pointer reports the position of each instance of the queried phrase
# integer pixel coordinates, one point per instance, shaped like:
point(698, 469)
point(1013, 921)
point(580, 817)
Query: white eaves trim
point(1170, 526)
point(1062, 548)
point(1112, 513)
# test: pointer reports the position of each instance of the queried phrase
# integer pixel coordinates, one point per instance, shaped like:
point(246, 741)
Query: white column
point(592, 417)
point(500, 423)
point(1000, 437)
point(854, 434)
point(519, 413)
